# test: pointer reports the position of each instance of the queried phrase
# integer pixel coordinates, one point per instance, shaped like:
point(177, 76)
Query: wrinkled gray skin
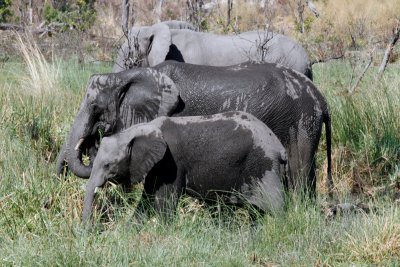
point(158, 43)
point(230, 156)
point(285, 100)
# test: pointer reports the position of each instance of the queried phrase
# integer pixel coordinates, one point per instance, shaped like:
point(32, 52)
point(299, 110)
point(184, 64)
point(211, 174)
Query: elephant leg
point(158, 197)
point(163, 187)
point(145, 207)
point(267, 193)
point(312, 181)
point(301, 169)
point(168, 188)
point(166, 199)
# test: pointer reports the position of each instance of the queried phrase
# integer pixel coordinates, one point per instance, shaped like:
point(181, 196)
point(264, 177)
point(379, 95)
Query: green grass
point(40, 215)
point(365, 124)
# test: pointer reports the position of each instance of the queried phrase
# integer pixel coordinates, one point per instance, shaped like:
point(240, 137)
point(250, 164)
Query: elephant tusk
point(79, 143)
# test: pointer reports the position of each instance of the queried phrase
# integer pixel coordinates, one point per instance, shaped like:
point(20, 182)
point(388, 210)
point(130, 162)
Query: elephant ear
point(147, 95)
point(146, 148)
point(160, 40)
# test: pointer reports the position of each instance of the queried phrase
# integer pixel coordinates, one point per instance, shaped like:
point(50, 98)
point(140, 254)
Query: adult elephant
point(151, 45)
point(285, 100)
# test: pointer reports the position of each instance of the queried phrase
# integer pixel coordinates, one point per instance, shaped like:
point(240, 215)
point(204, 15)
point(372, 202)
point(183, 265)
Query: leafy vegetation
point(80, 16)
point(40, 214)
point(5, 10)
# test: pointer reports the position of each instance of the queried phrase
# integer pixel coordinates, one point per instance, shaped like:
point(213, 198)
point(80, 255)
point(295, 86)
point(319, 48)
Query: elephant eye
point(93, 107)
point(107, 166)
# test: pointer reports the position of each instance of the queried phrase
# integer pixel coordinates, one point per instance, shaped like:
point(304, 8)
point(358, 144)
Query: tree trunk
point(21, 13)
point(194, 13)
point(229, 11)
point(132, 14)
point(125, 17)
point(30, 13)
point(158, 10)
point(300, 10)
point(389, 49)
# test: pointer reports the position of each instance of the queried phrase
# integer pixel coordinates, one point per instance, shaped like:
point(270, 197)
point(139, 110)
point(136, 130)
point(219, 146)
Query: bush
point(80, 16)
point(5, 11)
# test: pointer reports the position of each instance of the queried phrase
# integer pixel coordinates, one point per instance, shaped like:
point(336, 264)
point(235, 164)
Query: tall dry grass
point(41, 76)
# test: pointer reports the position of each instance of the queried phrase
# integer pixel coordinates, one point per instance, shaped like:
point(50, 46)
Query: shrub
point(5, 11)
point(80, 16)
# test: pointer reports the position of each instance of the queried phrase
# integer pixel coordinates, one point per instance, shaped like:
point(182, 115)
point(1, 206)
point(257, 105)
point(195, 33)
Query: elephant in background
point(151, 45)
point(285, 100)
point(179, 25)
point(129, 55)
point(231, 156)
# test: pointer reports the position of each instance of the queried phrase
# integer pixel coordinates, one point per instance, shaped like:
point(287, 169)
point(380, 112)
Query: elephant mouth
point(88, 145)
point(100, 130)
point(78, 145)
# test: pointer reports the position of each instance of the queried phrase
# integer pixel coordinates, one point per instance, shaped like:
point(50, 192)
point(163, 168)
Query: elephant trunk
point(88, 202)
point(89, 196)
point(73, 151)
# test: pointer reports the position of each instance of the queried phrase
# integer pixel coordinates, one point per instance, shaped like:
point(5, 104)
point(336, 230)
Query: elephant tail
point(328, 131)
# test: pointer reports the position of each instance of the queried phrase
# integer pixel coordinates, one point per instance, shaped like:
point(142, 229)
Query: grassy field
point(40, 215)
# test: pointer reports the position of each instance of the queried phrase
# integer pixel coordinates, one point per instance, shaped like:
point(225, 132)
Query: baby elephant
point(230, 156)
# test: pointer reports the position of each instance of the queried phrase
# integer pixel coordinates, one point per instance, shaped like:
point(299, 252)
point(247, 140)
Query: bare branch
point(353, 89)
point(262, 45)
point(312, 8)
point(323, 60)
point(40, 30)
point(10, 27)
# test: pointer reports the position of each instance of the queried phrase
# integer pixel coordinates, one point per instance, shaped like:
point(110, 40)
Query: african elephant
point(285, 100)
point(229, 156)
point(151, 45)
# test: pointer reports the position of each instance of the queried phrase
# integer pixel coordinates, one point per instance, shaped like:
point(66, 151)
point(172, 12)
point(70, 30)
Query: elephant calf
point(231, 155)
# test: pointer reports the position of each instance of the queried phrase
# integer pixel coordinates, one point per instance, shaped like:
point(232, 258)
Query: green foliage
point(307, 24)
point(204, 25)
point(50, 14)
point(5, 10)
point(80, 16)
point(365, 123)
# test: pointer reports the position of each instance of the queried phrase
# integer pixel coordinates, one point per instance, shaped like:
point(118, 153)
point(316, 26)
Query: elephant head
point(130, 154)
point(146, 46)
point(116, 101)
